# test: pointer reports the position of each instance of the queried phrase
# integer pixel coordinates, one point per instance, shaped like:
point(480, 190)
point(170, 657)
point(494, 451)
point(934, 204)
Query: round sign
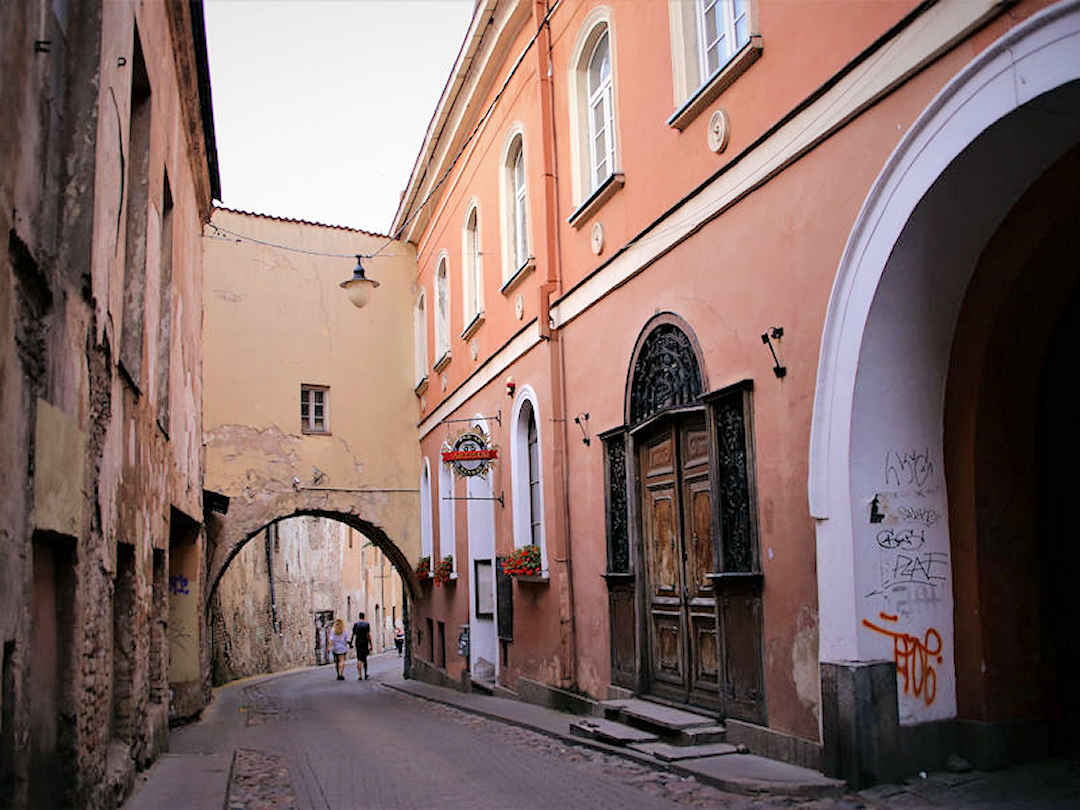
point(470, 453)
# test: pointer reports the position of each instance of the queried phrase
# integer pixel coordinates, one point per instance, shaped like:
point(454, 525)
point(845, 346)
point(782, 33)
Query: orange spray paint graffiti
point(914, 658)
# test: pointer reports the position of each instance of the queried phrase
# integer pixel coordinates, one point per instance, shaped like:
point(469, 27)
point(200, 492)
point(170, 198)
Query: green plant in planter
point(423, 567)
point(443, 569)
point(523, 562)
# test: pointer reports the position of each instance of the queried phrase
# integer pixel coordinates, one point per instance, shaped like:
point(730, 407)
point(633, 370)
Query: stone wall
point(102, 453)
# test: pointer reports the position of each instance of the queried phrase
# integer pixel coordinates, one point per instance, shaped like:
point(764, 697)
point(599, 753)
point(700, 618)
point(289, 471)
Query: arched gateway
point(938, 471)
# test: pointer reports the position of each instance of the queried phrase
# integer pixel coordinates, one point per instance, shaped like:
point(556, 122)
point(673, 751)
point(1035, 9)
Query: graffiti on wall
point(907, 586)
point(915, 657)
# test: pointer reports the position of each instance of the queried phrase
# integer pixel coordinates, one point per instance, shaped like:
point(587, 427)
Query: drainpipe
point(557, 369)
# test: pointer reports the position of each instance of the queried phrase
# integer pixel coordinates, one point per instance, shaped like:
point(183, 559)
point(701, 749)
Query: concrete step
point(665, 721)
point(482, 687)
point(609, 732)
point(701, 735)
point(674, 753)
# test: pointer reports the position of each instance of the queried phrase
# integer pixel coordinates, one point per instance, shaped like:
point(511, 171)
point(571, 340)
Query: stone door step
point(701, 735)
point(673, 753)
point(483, 687)
point(609, 732)
point(663, 719)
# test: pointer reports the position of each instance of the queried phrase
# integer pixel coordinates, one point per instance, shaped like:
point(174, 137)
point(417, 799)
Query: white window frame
point(442, 307)
point(694, 85)
point(447, 514)
point(514, 219)
point(520, 484)
point(472, 270)
point(426, 528)
point(307, 397)
point(420, 338)
point(600, 98)
point(583, 180)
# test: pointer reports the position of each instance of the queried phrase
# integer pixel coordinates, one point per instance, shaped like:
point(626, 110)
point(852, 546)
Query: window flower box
point(444, 571)
point(523, 562)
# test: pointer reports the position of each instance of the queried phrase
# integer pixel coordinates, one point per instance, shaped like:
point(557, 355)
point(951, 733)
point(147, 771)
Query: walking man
point(361, 637)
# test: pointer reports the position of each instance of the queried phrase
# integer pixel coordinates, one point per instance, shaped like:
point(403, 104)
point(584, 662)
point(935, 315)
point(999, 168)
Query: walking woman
point(339, 643)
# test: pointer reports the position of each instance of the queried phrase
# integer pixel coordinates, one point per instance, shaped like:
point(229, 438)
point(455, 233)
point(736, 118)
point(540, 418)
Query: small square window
point(314, 409)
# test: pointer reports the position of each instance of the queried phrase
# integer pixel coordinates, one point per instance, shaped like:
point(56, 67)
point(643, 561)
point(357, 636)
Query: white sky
point(320, 106)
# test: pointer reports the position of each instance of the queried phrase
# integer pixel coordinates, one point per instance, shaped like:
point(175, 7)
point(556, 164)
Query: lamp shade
point(359, 287)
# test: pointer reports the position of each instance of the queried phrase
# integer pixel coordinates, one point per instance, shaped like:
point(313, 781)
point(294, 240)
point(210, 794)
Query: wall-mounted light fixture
point(767, 337)
point(359, 287)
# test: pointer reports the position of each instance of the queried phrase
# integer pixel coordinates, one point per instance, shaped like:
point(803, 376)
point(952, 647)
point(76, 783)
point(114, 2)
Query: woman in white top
point(339, 644)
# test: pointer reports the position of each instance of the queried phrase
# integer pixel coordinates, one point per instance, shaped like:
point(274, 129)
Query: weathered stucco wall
point(102, 462)
point(276, 320)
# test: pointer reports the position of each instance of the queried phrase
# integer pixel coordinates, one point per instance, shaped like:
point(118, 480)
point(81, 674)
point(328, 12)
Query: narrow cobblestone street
point(305, 740)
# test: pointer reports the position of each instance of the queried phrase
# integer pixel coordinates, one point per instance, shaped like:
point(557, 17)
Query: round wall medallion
point(443, 379)
point(475, 347)
point(719, 131)
point(519, 307)
point(597, 239)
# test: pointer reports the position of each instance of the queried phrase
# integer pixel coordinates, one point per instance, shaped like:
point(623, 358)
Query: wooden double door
point(677, 531)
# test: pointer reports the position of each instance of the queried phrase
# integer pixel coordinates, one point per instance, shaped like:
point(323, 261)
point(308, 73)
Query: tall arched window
point(517, 215)
point(723, 29)
point(472, 272)
point(601, 113)
point(426, 532)
point(420, 339)
point(526, 474)
point(447, 529)
point(442, 311)
point(594, 139)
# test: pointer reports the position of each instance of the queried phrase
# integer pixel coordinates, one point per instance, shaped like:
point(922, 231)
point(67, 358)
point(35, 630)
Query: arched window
point(517, 230)
point(447, 529)
point(526, 464)
point(594, 138)
point(472, 271)
point(442, 311)
point(426, 529)
point(420, 339)
point(601, 116)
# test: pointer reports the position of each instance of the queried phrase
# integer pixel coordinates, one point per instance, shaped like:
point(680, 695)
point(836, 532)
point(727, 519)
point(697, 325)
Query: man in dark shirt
point(361, 639)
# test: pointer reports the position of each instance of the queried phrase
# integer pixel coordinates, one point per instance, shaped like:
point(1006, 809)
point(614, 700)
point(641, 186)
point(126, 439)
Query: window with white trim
point(314, 409)
point(601, 116)
point(447, 530)
point(426, 529)
point(526, 474)
point(420, 340)
point(723, 28)
point(712, 43)
point(472, 272)
point(442, 310)
point(518, 216)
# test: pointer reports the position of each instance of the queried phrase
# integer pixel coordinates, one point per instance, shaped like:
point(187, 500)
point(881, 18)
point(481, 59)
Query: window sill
point(473, 326)
point(518, 276)
point(614, 577)
point(421, 386)
point(442, 362)
point(306, 432)
point(595, 201)
point(720, 81)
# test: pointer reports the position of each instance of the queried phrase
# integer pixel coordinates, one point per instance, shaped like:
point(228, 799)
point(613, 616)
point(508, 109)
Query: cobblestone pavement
point(308, 741)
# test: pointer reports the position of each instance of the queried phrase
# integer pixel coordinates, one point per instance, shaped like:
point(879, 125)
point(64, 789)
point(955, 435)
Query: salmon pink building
point(765, 309)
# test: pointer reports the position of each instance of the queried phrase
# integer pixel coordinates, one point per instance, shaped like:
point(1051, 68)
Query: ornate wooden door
point(677, 534)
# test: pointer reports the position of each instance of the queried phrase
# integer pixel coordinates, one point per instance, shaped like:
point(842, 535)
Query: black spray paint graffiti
point(902, 569)
point(904, 538)
point(919, 514)
point(912, 468)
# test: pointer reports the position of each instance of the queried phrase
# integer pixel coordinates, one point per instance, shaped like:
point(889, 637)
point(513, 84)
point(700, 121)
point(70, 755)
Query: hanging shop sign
point(470, 452)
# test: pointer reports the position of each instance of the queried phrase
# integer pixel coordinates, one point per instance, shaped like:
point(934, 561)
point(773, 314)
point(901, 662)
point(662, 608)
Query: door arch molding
point(940, 195)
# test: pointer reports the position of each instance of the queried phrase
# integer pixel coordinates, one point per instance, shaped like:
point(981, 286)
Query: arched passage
point(898, 560)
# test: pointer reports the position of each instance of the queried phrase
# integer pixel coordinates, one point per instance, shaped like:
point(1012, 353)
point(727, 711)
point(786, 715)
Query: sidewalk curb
point(745, 787)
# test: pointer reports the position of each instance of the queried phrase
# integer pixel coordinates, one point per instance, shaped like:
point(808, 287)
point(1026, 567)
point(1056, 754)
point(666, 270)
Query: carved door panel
point(663, 564)
point(740, 616)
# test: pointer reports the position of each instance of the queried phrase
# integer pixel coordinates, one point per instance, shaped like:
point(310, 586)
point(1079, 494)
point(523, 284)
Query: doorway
point(676, 498)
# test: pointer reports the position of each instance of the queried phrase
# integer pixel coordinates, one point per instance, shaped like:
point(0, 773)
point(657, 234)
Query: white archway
point(480, 519)
point(520, 484)
point(877, 426)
